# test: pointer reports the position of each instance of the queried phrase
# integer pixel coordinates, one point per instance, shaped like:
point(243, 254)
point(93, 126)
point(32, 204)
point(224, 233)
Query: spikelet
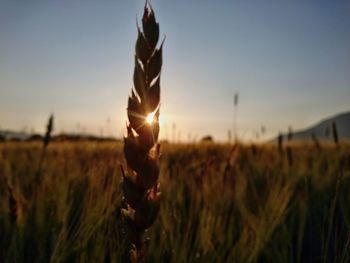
point(140, 184)
point(46, 141)
point(49, 129)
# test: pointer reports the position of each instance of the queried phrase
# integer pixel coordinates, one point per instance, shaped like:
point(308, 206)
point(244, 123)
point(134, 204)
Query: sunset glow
point(150, 118)
point(293, 56)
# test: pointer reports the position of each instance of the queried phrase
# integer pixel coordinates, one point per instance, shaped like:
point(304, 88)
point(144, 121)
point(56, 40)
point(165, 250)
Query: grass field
point(220, 203)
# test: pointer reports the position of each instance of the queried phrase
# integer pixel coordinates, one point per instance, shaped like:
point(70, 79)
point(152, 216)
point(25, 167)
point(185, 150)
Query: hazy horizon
point(289, 62)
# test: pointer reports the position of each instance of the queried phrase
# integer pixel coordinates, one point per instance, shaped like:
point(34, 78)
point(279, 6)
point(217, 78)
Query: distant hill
point(323, 129)
point(9, 135)
point(14, 135)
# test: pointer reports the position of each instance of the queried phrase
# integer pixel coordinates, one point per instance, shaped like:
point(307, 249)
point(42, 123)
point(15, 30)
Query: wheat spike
point(49, 129)
point(46, 141)
point(140, 185)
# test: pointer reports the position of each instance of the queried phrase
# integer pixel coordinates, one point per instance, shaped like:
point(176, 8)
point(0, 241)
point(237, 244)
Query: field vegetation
point(220, 203)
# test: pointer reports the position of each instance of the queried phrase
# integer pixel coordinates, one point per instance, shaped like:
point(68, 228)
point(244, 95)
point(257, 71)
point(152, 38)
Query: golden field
point(220, 203)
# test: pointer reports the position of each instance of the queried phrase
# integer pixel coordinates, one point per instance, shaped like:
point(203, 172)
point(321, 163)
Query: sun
point(150, 118)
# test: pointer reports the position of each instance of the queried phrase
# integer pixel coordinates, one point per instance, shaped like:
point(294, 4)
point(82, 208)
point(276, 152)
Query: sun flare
point(150, 118)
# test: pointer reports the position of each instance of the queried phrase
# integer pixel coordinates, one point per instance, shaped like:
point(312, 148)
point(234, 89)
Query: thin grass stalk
point(13, 216)
point(47, 137)
point(289, 155)
point(332, 215)
point(290, 134)
point(12, 203)
point(335, 134)
point(280, 142)
point(46, 141)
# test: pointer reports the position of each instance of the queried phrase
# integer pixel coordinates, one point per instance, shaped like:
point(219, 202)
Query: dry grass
point(218, 205)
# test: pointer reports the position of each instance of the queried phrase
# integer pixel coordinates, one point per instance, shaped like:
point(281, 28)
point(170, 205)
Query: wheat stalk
point(46, 141)
point(49, 128)
point(280, 142)
point(140, 184)
point(12, 203)
point(335, 134)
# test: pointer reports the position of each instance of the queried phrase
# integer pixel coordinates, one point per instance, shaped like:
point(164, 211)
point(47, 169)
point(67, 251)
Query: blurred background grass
point(220, 203)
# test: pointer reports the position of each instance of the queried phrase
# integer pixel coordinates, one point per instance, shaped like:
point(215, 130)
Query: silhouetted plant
point(335, 133)
point(280, 142)
point(46, 141)
point(289, 155)
point(49, 129)
point(290, 133)
point(140, 186)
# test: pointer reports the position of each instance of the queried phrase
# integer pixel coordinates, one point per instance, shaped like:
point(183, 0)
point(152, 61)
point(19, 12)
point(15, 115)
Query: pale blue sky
point(289, 61)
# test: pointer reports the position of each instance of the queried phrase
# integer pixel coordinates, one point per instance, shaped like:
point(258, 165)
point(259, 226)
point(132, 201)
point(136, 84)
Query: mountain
point(10, 135)
point(323, 130)
point(13, 135)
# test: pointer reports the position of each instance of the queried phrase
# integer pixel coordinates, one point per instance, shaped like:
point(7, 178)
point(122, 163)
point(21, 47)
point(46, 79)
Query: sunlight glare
point(150, 118)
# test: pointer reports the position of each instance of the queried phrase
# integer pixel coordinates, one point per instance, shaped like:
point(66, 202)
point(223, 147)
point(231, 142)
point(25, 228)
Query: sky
point(289, 61)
